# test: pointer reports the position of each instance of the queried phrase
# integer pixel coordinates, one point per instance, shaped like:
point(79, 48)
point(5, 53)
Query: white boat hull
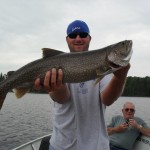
point(142, 143)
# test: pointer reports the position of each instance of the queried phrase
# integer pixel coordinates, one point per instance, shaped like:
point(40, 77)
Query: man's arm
point(115, 86)
point(144, 131)
point(58, 91)
point(117, 129)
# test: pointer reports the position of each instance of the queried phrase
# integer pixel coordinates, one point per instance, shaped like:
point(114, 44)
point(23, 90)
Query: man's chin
point(79, 49)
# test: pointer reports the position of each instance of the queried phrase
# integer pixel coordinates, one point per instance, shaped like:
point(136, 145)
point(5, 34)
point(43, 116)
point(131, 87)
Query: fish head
point(120, 54)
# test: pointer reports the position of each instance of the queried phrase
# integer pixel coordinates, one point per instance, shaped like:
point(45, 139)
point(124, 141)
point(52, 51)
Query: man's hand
point(122, 72)
point(53, 84)
point(122, 127)
point(52, 81)
point(133, 123)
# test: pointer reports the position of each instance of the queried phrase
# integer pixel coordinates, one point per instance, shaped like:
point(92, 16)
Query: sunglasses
point(131, 110)
point(81, 34)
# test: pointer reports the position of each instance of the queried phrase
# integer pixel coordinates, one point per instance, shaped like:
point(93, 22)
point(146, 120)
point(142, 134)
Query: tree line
point(135, 86)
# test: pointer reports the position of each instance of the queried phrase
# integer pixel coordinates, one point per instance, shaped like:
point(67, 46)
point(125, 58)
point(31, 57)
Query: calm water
point(31, 117)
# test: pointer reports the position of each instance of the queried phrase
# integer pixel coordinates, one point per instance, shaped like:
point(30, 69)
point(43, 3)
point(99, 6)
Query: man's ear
point(90, 37)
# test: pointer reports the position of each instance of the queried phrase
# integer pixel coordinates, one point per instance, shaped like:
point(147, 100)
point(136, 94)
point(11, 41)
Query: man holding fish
point(78, 121)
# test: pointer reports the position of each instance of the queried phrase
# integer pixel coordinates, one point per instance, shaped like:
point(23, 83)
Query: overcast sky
point(26, 26)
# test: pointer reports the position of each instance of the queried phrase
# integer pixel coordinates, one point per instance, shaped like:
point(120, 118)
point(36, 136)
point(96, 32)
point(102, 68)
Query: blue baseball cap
point(77, 26)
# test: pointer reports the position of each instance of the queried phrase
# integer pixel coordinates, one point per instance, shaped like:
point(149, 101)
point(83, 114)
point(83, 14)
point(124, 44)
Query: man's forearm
point(144, 131)
point(115, 87)
point(112, 130)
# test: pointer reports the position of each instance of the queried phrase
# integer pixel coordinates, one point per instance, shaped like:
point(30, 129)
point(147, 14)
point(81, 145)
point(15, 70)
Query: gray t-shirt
point(79, 124)
point(127, 138)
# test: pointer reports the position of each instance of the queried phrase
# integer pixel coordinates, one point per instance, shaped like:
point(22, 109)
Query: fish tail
point(2, 98)
point(3, 93)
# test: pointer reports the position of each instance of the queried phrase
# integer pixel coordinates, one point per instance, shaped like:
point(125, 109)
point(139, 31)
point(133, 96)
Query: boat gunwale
point(32, 141)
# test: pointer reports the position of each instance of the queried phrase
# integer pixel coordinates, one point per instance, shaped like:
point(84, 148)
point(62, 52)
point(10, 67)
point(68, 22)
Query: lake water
point(31, 117)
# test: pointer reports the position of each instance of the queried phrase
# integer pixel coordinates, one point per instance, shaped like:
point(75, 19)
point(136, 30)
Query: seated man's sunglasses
point(128, 109)
point(81, 34)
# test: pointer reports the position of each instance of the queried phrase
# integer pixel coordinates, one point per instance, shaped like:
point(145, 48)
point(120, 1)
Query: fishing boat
point(142, 143)
point(34, 144)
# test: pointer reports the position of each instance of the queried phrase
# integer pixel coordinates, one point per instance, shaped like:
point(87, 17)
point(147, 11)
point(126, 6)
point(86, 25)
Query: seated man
point(123, 130)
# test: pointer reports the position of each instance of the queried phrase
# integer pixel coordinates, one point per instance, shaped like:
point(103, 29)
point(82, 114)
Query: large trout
point(76, 67)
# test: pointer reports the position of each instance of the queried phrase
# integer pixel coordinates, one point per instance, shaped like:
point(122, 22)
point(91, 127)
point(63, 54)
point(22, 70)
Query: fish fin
point(19, 92)
point(2, 98)
point(98, 73)
point(48, 52)
point(105, 72)
point(9, 73)
point(98, 79)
